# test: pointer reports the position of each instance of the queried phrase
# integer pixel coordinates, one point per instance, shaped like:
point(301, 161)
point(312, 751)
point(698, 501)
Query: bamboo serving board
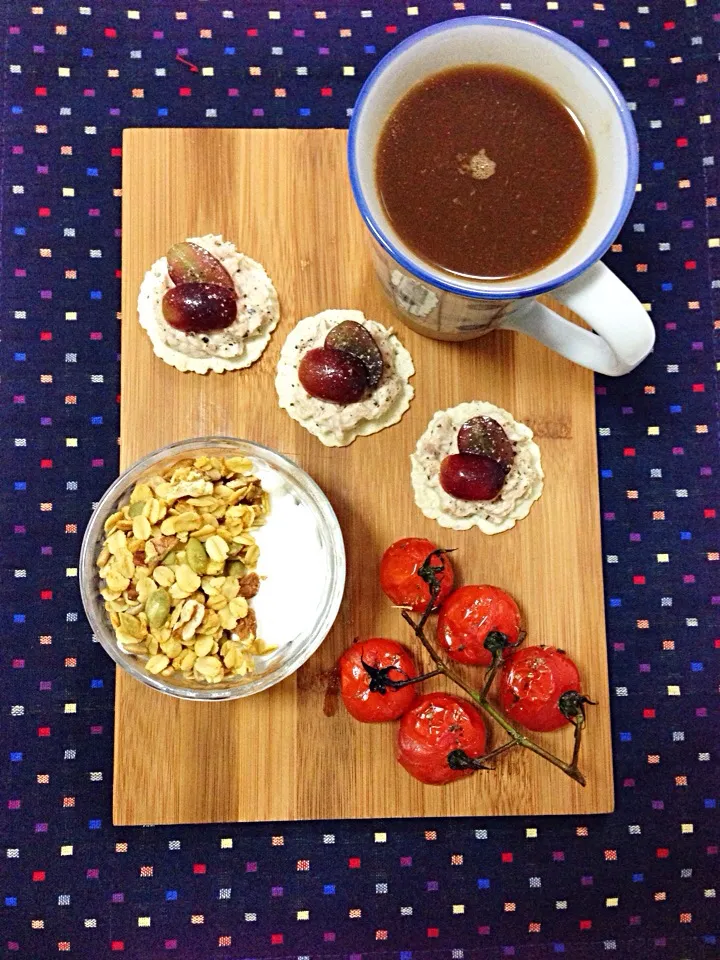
point(293, 753)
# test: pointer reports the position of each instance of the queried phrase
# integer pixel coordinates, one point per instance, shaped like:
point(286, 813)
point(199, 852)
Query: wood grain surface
point(283, 197)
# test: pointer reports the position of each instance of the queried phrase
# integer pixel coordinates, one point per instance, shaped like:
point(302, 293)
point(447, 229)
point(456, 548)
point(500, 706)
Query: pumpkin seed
point(196, 555)
point(236, 568)
point(157, 607)
point(136, 508)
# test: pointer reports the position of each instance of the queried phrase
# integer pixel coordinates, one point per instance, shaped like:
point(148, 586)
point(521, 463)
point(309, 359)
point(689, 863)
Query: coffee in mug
point(484, 172)
point(493, 160)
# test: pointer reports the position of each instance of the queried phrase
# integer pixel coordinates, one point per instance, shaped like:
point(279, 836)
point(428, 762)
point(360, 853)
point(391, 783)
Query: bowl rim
point(101, 631)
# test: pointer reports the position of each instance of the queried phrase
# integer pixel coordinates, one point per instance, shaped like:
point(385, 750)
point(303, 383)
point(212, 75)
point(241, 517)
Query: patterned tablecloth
point(641, 882)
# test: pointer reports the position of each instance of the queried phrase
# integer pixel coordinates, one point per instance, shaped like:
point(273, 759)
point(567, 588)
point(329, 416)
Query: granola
point(177, 564)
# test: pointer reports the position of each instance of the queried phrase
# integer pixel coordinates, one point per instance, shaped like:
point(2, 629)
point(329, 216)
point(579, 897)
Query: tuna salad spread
point(342, 376)
point(476, 466)
point(206, 306)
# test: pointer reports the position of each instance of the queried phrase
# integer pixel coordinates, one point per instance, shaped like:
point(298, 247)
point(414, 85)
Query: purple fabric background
point(640, 882)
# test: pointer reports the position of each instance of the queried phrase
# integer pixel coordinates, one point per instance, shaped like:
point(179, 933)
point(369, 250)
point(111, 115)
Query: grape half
point(470, 476)
point(197, 307)
point(485, 435)
point(333, 375)
point(190, 263)
point(354, 338)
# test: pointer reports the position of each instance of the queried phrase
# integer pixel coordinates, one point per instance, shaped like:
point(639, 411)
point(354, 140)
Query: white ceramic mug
point(447, 307)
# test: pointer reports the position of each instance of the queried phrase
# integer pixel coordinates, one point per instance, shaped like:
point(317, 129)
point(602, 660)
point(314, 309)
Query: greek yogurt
point(292, 565)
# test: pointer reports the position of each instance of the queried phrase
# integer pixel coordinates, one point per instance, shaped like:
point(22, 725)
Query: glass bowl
point(301, 642)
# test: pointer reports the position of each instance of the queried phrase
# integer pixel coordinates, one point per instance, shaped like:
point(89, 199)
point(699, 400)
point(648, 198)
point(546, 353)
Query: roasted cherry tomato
point(436, 727)
point(540, 688)
point(469, 614)
point(368, 670)
point(399, 577)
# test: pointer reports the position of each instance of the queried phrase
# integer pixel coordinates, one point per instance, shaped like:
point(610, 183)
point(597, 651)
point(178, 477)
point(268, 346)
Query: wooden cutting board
point(283, 197)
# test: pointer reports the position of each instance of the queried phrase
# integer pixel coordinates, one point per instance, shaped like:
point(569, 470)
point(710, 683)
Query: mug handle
point(624, 334)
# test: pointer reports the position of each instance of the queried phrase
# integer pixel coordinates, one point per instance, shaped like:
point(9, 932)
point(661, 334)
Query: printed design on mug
point(412, 296)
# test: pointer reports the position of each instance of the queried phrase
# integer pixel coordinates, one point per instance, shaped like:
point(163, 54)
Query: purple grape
point(190, 263)
point(471, 476)
point(485, 435)
point(333, 375)
point(355, 339)
point(197, 307)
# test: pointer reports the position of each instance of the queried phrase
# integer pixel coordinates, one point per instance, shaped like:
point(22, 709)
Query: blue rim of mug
point(438, 280)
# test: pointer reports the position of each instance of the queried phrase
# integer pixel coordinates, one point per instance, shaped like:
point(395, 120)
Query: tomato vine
point(572, 704)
